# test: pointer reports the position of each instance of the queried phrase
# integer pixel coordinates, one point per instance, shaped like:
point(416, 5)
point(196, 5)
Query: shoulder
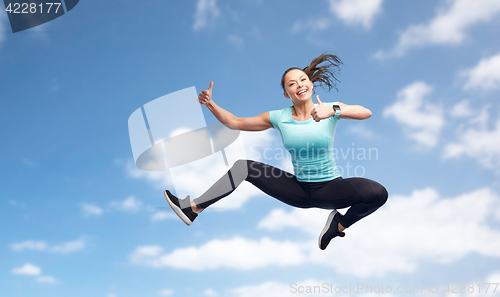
point(276, 116)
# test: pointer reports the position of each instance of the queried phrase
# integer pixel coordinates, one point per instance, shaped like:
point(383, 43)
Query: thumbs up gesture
point(321, 111)
point(206, 95)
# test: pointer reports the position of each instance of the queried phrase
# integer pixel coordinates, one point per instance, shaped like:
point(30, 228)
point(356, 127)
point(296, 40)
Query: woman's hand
point(206, 95)
point(321, 111)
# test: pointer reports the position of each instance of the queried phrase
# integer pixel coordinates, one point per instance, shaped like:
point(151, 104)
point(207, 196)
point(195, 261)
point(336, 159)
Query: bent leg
point(271, 180)
point(372, 195)
point(362, 195)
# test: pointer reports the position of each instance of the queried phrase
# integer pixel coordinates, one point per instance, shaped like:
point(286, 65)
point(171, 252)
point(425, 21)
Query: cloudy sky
point(78, 218)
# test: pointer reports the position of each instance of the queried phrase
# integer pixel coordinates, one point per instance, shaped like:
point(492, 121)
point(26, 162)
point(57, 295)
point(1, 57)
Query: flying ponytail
point(322, 71)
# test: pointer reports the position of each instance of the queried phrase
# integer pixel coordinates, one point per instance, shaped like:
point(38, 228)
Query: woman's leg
point(362, 195)
point(271, 180)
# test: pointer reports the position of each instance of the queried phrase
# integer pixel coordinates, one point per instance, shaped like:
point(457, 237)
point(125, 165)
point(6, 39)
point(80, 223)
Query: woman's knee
point(239, 169)
point(382, 194)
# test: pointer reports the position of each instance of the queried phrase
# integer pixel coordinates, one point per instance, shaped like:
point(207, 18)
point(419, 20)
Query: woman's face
point(298, 87)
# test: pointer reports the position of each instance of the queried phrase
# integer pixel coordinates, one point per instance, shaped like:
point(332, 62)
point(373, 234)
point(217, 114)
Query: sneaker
point(331, 230)
point(182, 207)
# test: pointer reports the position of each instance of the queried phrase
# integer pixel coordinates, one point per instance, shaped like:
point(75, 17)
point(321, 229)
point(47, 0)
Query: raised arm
point(258, 123)
point(355, 112)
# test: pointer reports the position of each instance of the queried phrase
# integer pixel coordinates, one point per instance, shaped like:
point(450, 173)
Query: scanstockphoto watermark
point(342, 156)
point(364, 288)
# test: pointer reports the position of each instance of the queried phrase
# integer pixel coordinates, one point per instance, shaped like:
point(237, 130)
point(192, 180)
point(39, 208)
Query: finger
point(317, 99)
point(211, 86)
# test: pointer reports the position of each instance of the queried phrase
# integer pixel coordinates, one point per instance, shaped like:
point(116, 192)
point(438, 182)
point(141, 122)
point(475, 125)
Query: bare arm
point(258, 123)
point(355, 112)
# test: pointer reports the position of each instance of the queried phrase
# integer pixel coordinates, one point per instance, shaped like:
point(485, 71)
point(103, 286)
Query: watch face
point(337, 110)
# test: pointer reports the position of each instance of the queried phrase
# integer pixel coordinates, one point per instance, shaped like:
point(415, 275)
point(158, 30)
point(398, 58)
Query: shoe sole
point(177, 210)
point(327, 225)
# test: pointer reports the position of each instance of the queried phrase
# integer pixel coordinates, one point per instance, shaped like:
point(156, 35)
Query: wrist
point(336, 111)
point(333, 112)
point(210, 104)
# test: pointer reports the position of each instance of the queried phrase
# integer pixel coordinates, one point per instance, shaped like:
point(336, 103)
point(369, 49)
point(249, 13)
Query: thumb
point(317, 99)
point(210, 87)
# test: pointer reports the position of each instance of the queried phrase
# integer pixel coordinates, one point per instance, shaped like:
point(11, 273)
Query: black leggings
point(362, 195)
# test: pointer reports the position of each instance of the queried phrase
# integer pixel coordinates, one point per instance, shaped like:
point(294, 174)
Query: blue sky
point(79, 219)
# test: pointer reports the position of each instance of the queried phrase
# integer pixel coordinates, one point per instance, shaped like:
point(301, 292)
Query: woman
point(307, 131)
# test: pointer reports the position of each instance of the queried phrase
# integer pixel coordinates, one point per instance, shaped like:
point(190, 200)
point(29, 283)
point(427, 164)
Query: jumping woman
point(307, 130)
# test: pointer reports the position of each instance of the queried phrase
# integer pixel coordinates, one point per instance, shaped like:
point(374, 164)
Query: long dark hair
point(324, 75)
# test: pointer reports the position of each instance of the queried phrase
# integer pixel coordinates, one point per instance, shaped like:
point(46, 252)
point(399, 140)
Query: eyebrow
point(294, 79)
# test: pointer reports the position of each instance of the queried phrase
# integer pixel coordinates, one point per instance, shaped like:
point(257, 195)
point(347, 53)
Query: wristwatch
point(337, 110)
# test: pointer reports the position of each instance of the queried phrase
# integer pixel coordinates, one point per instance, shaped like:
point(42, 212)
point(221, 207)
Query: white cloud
point(27, 269)
point(351, 12)
point(236, 253)
point(485, 75)
point(236, 40)
point(130, 204)
point(360, 129)
point(316, 24)
point(64, 248)
point(17, 204)
point(267, 289)
point(29, 245)
point(159, 179)
point(311, 287)
point(354, 12)
point(91, 209)
point(210, 292)
point(302, 219)
point(408, 230)
point(404, 232)
point(470, 116)
point(461, 109)
point(69, 247)
point(163, 215)
point(166, 292)
point(47, 280)
point(421, 119)
point(479, 143)
point(206, 14)
point(484, 286)
point(449, 26)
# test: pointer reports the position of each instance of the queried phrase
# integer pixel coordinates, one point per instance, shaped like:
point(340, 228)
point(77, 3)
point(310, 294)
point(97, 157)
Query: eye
point(291, 84)
point(303, 79)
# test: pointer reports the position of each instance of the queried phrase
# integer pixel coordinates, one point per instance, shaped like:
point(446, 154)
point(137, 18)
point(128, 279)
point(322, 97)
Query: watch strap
point(337, 111)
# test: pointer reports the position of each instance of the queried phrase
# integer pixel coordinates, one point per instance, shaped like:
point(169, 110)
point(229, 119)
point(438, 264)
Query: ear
point(286, 95)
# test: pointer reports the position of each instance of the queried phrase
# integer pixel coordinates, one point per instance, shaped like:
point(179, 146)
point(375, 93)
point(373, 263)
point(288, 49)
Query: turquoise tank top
point(309, 143)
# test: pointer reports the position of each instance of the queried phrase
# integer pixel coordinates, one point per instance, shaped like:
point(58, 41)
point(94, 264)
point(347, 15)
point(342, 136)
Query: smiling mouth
point(302, 92)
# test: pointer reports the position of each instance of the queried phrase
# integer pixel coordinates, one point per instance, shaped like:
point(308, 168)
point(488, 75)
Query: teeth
point(303, 91)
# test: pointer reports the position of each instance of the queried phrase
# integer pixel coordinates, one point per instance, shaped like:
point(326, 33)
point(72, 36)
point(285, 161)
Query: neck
point(302, 110)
